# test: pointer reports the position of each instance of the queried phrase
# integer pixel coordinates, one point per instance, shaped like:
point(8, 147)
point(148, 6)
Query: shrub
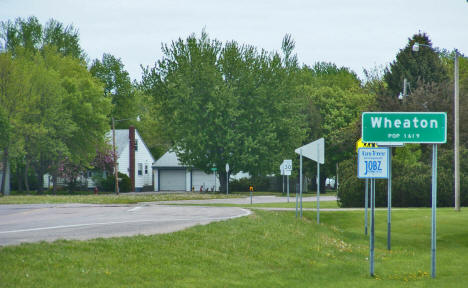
point(411, 180)
point(108, 183)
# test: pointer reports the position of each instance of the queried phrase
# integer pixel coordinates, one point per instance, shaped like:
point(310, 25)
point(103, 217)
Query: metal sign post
point(314, 151)
point(372, 163)
point(282, 174)
point(300, 183)
point(389, 201)
point(296, 201)
point(318, 188)
point(227, 178)
point(409, 127)
point(434, 207)
point(366, 205)
point(372, 234)
point(282, 186)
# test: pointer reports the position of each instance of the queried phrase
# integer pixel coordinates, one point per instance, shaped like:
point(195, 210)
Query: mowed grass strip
point(291, 204)
point(266, 249)
point(123, 198)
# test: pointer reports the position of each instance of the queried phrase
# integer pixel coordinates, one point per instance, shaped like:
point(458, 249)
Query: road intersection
point(50, 222)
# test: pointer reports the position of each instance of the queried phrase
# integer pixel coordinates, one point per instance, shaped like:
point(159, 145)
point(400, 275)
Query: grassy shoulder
point(266, 249)
point(127, 198)
point(323, 204)
point(122, 198)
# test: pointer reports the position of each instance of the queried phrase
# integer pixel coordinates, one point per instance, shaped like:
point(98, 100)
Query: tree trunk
point(19, 178)
point(26, 172)
point(40, 174)
point(54, 183)
point(222, 182)
point(4, 162)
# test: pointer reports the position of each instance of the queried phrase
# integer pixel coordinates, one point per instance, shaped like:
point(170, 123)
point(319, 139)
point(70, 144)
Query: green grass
point(291, 204)
point(124, 198)
point(267, 249)
point(108, 198)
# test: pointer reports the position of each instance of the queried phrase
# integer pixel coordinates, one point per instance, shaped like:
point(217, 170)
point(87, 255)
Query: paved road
point(38, 222)
point(246, 200)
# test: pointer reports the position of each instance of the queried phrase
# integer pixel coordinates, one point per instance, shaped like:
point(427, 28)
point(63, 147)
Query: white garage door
point(172, 180)
point(200, 178)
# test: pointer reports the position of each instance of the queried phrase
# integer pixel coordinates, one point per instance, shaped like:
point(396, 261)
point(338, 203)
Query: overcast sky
point(356, 34)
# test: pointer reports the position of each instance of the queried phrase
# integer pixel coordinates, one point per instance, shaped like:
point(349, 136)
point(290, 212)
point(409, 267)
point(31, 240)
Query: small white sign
point(314, 150)
point(373, 163)
point(286, 167)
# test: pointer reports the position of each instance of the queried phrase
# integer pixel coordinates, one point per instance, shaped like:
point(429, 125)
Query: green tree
point(227, 104)
point(30, 35)
point(55, 106)
point(334, 100)
point(14, 81)
point(418, 68)
point(117, 86)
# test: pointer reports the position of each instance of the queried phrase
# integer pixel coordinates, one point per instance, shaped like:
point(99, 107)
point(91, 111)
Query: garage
point(172, 180)
point(200, 178)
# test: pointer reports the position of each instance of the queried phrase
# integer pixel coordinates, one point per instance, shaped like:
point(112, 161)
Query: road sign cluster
point(394, 129)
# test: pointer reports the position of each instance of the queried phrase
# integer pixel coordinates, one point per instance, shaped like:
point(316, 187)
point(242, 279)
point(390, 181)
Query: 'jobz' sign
point(373, 163)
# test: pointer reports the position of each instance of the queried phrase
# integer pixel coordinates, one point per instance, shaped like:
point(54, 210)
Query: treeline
point(429, 74)
point(53, 111)
point(231, 103)
point(214, 103)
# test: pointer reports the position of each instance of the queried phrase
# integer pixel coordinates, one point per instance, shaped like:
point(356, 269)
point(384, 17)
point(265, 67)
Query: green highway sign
point(404, 127)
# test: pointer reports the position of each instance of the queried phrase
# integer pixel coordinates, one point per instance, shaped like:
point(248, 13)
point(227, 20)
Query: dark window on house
point(140, 169)
point(146, 169)
point(136, 144)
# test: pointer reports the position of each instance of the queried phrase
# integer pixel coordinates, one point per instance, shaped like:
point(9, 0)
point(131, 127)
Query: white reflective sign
point(373, 163)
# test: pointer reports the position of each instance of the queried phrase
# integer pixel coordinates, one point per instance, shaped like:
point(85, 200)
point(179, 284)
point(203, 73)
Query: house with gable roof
point(134, 159)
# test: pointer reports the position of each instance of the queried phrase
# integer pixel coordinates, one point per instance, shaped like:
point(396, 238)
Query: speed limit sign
point(287, 166)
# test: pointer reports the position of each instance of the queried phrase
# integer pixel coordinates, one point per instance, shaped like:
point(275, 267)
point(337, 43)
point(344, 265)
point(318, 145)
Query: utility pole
point(116, 170)
point(456, 138)
point(405, 84)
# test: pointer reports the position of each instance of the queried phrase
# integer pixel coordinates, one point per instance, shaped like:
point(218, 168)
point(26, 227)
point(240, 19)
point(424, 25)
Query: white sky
point(356, 34)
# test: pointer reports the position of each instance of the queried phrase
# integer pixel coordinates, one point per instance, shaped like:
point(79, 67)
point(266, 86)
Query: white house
point(133, 160)
point(170, 175)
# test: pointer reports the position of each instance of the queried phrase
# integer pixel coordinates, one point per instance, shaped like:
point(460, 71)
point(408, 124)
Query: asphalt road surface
point(255, 200)
point(44, 222)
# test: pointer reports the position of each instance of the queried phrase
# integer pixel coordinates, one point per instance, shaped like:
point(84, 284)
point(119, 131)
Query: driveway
point(44, 222)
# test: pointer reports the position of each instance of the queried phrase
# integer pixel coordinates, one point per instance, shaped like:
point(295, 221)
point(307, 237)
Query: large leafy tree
point(227, 104)
point(334, 99)
point(117, 86)
point(14, 80)
point(55, 107)
point(422, 67)
point(29, 34)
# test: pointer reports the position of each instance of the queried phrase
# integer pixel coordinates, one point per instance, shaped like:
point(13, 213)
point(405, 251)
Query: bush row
point(411, 180)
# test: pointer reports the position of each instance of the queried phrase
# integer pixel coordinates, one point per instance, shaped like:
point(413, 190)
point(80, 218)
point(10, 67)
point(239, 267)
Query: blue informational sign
point(373, 163)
